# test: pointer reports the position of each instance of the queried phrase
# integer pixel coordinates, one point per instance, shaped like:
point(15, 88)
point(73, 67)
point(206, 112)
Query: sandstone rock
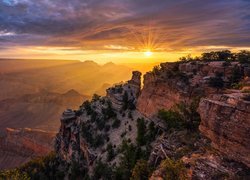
point(181, 82)
point(225, 119)
point(131, 88)
point(18, 146)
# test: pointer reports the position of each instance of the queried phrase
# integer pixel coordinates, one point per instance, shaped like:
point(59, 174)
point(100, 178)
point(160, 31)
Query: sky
point(122, 31)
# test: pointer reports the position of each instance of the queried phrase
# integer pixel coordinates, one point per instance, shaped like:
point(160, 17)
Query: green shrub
point(247, 97)
point(87, 133)
point(98, 141)
point(110, 152)
point(141, 132)
point(141, 171)
point(174, 170)
point(216, 82)
point(87, 107)
point(14, 174)
point(236, 75)
point(102, 171)
point(129, 127)
point(107, 127)
point(108, 112)
point(152, 131)
point(156, 70)
point(116, 123)
point(100, 124)
point(171, 118)
point(95, 97)
point(189, 115)
point(243, 56)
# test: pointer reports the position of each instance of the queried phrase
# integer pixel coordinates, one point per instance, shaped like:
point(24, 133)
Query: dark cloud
point(92, 24)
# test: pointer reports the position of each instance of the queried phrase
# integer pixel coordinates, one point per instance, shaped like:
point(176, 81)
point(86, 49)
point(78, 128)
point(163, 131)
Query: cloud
point(98, 24)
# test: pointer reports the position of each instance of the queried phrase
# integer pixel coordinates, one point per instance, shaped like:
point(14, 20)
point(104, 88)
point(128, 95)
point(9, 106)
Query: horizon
point(121, 32)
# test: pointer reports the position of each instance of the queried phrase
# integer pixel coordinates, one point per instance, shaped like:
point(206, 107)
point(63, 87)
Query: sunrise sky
point(122, 31)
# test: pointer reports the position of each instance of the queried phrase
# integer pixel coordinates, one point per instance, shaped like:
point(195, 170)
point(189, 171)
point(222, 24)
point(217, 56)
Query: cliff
point(85, 133)
point(225, 119)
point(18, 146)
point(172, 83)
point(97, 131)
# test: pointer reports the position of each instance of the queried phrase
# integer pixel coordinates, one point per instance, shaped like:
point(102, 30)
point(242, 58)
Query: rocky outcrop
point(85, 133)
point(225, 119)
point(18, 146)
point(125, 92)
point(174, 82)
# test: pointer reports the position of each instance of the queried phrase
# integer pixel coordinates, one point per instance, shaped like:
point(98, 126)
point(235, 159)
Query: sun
point(148, 53)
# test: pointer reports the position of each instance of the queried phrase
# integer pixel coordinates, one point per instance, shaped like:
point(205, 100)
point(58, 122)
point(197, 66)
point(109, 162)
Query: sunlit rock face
point(175, 82)
point(225, 119)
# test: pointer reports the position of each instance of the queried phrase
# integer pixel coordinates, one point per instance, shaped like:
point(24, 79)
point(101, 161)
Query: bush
point(171, 118)
point(156, 70)
point(107, 127)
point(116, 123)
point(152, 131)
point(98, 141)
point(174, 169)
point(86, 133)
point(110, 152)
point(95, 97)
point(87, 107)
point(129, 127)
point(247, 97)
point(189, 115)
point(109, 111)
point(141, 171)
point(141, 131)
point(216, 82)
point(14, 174)
point(243, 56)
point(130, 116)
point(236, 75)
point(102, 171)
point(100, 124)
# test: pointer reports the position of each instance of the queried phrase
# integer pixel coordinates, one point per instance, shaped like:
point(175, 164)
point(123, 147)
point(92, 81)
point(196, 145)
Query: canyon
point(205, 134)
point(224, 115)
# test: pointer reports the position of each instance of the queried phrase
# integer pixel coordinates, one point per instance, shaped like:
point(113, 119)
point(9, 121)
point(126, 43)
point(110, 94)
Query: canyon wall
point(86, 132)
point(225, 119)
point(18, 146)
point(172, 83)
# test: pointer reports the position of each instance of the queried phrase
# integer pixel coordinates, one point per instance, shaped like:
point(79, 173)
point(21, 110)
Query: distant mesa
point(72, 92)
point(108, 64)
point(90, 63)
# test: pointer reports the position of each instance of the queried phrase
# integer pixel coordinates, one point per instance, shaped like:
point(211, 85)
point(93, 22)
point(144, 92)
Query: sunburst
point(145, 40)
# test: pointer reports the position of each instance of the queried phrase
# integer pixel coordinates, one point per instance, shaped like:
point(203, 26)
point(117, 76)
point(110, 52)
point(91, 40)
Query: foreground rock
point(225, 119)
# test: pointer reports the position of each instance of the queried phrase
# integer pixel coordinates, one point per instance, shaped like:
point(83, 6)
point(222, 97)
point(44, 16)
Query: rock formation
point(113, 132)
point(20, 145)
point(176, 82)
point(225, 119)
point(85, 133)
